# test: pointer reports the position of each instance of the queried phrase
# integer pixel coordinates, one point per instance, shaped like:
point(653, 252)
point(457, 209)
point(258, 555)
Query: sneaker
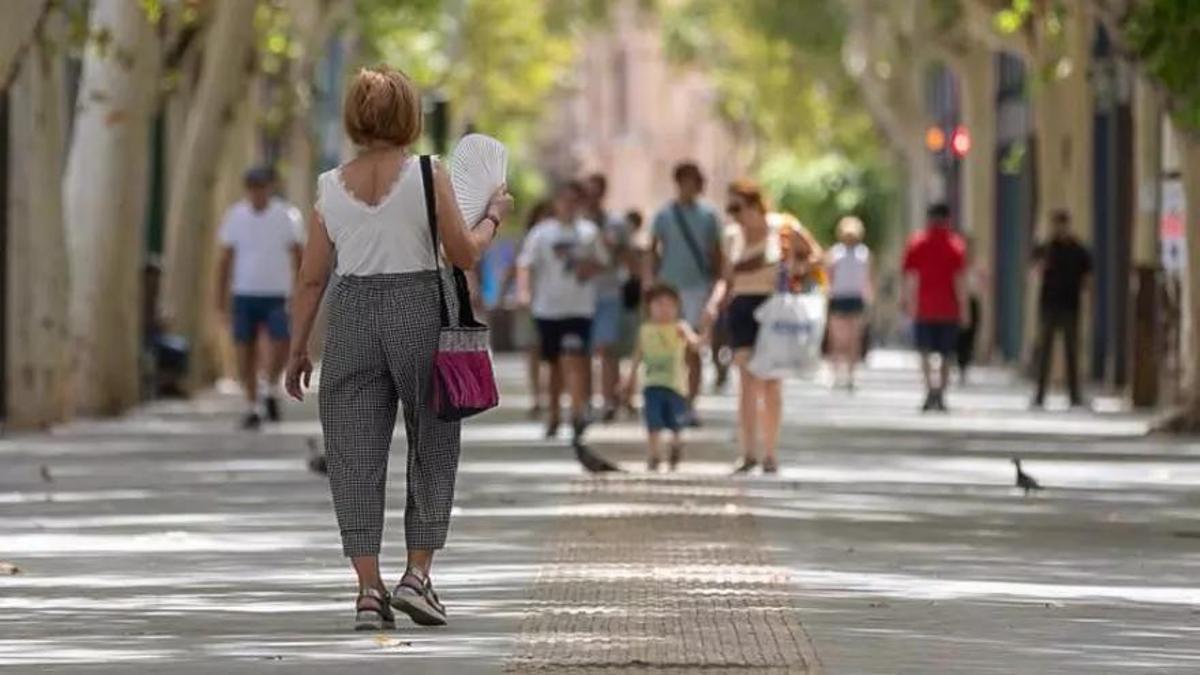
point(745, 465)
point(608, 414)
point(272, 405)
point(770, 466)
point(652, 464)
point(552, 430)
point(415, 597)
point(578, 429)
point(939, 401)
point(373, 610)
point(675, 456)
point(251, 422)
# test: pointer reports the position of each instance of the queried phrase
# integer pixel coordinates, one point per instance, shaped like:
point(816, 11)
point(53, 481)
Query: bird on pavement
point(592, 462)
point(316, 459)
point(1024, 480)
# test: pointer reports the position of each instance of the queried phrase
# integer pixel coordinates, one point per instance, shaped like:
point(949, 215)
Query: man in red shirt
point(935, 296)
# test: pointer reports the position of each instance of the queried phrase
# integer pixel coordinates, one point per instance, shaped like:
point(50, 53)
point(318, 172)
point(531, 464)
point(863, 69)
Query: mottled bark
point(104, 197)
point(190, 218)
point(38, 273)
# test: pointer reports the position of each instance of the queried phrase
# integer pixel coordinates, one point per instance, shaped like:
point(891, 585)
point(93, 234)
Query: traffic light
point(960, 141)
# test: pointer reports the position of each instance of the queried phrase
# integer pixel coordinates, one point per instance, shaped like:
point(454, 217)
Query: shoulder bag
point(464, 382)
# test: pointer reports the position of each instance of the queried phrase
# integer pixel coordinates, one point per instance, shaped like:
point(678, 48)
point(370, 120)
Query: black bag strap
point(466, 316)
point(692, 245)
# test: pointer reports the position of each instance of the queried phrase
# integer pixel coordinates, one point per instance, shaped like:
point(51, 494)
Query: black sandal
point(373, 610)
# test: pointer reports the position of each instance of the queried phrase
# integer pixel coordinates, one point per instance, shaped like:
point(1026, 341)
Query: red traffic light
point(960, 141)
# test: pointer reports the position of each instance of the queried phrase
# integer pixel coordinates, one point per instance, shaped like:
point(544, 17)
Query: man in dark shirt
point(1065, 268)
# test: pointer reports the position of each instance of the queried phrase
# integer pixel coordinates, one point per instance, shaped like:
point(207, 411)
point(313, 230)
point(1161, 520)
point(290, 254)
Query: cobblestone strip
point(676, 579)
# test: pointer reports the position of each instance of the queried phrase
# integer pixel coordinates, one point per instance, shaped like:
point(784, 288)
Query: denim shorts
point(252, 311)
point(606, 322)
point(663, 408)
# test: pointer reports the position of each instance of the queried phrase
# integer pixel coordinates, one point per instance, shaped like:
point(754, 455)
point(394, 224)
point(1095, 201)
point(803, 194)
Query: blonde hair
point(851, 226)
point(382, 104)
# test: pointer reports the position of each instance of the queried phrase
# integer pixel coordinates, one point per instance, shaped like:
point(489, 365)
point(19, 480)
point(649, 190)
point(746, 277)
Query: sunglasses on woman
point(733, 209)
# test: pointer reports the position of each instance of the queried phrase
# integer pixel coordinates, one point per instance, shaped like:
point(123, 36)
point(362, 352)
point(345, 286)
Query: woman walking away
point(763, 253)
point(384, 321)
point(850, 292)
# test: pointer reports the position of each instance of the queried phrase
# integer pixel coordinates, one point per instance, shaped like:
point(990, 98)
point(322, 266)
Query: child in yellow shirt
point(663, 340)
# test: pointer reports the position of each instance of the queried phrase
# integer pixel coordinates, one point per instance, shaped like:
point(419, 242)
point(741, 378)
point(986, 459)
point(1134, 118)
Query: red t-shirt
point(936, 256)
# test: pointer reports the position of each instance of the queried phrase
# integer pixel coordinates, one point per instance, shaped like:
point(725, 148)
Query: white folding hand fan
point(480, 167)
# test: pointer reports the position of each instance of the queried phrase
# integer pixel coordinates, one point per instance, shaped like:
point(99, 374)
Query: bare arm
point(523, 286)
point(297, 252)
point(224, 271)
point(689, 335)
point(313, 276)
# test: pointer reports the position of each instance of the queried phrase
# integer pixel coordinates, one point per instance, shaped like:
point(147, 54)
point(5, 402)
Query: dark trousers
point(1054, 321)
point(966, 336)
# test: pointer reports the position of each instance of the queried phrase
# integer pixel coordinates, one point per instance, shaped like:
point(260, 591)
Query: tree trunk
point(17, 33)
point(190, 226)
point(239, 150)
point(1063, 132)
point(104, 196)
point(37, 258)
point(977, 71)
point(1147, 342)
point(1189, 154)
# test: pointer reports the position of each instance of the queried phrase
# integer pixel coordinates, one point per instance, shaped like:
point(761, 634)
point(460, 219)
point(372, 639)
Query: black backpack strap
point(697, 254)
point(431, 216)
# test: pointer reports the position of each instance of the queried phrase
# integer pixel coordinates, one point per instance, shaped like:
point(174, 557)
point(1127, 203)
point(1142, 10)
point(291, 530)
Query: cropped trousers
point(379, 353)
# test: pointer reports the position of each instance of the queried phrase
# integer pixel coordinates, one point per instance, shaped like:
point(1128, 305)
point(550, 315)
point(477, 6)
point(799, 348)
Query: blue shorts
point(252, 311)
point(936, 337)
point(606, 322)
point(663, 408)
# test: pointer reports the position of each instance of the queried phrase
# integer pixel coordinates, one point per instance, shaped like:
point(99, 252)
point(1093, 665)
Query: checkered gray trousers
point(382, 337)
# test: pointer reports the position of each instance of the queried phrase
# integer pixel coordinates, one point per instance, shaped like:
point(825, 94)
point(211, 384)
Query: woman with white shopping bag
point(767, 257)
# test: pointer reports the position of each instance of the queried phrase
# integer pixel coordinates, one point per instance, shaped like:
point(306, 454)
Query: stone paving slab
point(675, 579)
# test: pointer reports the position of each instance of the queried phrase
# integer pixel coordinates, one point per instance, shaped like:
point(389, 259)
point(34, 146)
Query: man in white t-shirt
point(556, 276)
point(260, 256)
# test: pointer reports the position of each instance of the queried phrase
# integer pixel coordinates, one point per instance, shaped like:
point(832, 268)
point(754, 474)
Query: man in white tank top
point(260, 258)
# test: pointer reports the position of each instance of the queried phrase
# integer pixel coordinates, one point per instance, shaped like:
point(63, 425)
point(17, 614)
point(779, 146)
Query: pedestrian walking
point(260, 257)
point(976, 279)
point(851, 290)
point(765, 252)
point(935, 296)
point(687, 255)
point(663, 341)
point(606, 323)
point(556, 277)
point(524, 331)
point(1065, 267)
point(631, 294)
point(384, 325)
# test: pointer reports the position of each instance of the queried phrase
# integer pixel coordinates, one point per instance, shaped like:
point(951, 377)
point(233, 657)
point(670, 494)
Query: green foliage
point(819, 191)
point(1164, 36)
point(777, 68)
point(497, 62)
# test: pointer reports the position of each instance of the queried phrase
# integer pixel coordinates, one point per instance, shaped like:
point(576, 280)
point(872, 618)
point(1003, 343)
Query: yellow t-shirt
point(663, 350)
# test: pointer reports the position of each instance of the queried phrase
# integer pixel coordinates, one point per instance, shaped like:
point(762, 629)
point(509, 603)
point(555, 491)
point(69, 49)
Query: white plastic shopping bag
point(791, 326)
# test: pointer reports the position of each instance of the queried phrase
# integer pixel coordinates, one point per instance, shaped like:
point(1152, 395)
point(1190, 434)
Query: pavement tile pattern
point(659, 574)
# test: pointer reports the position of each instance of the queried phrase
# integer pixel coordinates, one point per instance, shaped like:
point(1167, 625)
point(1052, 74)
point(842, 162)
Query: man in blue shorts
point(935, 296)
point(260, 257)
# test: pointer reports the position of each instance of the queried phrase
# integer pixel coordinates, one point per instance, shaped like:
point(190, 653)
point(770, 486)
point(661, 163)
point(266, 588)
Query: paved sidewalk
point(891, 543)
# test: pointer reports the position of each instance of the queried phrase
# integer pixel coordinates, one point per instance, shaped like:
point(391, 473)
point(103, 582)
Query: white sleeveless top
point(391, 237)
point(849, 269)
